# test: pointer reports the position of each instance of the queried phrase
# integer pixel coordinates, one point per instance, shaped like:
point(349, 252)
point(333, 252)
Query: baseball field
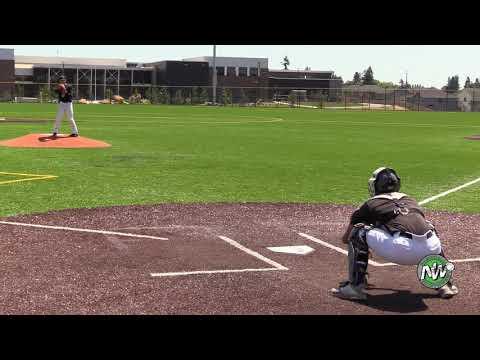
point(211, 190)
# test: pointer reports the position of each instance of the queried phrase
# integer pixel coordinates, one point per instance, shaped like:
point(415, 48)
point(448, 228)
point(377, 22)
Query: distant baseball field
point(164, 154)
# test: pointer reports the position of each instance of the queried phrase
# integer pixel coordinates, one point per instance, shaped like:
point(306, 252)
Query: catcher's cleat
point(447, 291)
point(366, 285)
point(349, 292)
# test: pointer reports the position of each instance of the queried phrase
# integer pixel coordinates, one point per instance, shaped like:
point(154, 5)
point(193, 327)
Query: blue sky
point(426, 64)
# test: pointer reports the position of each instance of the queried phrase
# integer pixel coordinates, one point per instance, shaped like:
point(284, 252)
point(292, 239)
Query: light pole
point(214, 80)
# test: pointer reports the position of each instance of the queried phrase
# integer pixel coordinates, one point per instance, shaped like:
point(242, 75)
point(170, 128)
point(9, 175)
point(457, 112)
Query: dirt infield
point(48, 141)
point(212, 259)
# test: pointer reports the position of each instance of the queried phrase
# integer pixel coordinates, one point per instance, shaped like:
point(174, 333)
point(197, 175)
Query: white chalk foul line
point(253, 253)
point(340, 250)
point(448, 192)
point(374, 263)
point(104, 232)
point(182, 273)
point(466, 260)
point(276, 266)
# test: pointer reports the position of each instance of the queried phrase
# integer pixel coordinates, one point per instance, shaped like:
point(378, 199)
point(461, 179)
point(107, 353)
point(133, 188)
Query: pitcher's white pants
point(402, 250)
point(62, 109)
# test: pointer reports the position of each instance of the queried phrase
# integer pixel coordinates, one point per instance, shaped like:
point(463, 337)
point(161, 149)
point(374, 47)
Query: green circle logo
point(434, 271)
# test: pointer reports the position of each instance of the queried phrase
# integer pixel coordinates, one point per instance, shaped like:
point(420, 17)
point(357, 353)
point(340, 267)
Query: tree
point(453, 83)
point(367, 78)
point(46, 94)
point(158, 96)
point(108, 94)
point(178, 99)
point(292, 99)
point(476, 84)
point(152, 95)
point(195, 95)
point(285, 63)
point(163, 96)
point(135, 98)
point(203, 97)
point(402, 84)
point(468, 83)
point(243, 96)
point(227, 96)
point(386, 84)
point(357, 79)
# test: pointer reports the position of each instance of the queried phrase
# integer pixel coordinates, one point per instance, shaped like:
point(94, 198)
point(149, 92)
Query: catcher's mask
point(383, 180)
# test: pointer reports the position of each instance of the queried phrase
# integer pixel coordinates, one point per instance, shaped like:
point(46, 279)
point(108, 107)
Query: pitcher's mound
point(48, 141)
point(473, 137)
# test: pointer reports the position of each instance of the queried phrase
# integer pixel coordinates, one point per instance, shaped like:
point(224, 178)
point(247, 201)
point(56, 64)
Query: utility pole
point(214, 80)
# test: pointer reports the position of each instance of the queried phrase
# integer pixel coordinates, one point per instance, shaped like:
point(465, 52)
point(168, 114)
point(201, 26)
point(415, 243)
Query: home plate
point(295, 249)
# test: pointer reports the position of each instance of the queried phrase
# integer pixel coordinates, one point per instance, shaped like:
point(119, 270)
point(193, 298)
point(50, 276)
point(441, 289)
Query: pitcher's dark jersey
point(68, 94)
point(395, 211)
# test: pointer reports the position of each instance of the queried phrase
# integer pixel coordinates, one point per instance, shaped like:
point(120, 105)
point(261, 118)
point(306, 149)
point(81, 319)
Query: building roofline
point(60, 58)
point(300, 78)
point(303, 71)
point(224, 57)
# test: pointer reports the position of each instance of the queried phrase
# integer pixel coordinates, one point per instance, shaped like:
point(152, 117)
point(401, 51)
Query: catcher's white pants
point(402, 250)
point(65, 108)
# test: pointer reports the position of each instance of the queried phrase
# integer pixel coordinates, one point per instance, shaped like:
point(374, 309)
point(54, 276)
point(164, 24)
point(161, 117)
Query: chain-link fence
point(347, 98)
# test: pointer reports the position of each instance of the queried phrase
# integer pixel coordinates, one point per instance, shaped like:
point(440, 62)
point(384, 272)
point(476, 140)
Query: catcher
point(65, 105)
point(393, 226)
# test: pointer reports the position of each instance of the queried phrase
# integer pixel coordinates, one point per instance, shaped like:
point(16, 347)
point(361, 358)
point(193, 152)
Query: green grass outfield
point(203, 154)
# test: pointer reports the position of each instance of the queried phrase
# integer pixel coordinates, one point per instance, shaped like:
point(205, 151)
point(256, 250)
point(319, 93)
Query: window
point(242, 71)
point(220, 71)
point(253, 71)
point(231, 71)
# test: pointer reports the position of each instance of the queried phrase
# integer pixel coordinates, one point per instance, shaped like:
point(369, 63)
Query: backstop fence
point(313, 98)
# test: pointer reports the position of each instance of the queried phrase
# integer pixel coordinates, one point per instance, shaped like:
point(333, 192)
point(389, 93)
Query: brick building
point(7, 73)
point(246, 78)
point(316, 83)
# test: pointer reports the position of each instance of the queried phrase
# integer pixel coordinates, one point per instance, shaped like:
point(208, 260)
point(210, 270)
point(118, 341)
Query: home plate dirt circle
point(213, 259)
point(48, 141)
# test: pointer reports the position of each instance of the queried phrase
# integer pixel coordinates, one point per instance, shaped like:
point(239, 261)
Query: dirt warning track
point(212, 259)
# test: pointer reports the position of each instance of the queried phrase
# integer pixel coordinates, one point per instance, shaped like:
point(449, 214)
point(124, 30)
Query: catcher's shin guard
point(358, 255)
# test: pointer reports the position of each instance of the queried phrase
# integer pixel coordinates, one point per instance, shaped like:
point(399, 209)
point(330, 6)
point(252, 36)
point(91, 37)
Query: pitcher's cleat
point(73, 135)
point(54, 134)
point(349, 292)
point(447, 291)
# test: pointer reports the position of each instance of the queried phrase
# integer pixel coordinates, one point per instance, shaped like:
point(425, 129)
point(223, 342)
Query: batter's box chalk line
point(275, 266)
point(103, 232)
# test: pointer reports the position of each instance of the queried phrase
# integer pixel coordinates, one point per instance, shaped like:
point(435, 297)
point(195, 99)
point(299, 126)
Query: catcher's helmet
point(383, 180)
